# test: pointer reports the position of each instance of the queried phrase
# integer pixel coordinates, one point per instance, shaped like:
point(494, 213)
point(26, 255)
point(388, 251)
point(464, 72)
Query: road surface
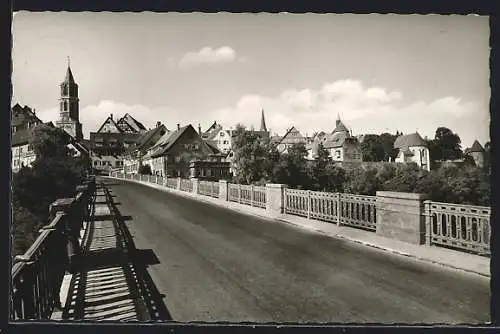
point(219, 265)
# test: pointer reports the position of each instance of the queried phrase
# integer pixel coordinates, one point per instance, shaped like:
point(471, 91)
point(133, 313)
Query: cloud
point(365, 110)
point(208, 55)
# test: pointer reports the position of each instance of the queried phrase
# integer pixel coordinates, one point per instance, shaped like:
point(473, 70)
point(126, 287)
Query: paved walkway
point(446, 257)
point(108, 285)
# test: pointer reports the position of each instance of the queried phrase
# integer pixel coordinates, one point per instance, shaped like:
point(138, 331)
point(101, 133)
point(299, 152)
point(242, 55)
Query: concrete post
point(428, 222)
point(400, 216)
point(196, 184)
point(308, 204)
point(338, 199)
point(275, 194)
point(178, 183)
point(223, 190)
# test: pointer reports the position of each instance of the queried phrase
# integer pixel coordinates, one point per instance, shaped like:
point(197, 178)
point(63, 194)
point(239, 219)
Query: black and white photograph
point(250, 168)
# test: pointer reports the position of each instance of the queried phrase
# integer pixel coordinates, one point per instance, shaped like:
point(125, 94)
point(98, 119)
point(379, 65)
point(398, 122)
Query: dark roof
point(69, 76)
point(138, 126)
point(263, 122)
point(123, 136)
point(336, 139)
point(292, 130)
point(405, 141)
point(21, 137)
point(212, 144)
point(174, 136)
point(23, 115)
point(476, 147)
point(145, 138)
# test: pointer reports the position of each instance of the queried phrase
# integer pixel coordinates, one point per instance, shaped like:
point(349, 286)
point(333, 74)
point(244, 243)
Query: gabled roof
point(135, 124)
point(174, 136)
point(213, 146)
point(212, 131)
point(22, 115)
point(145, 139)
point(110, 120)
point(21, 137)
point(292, 133)
point(476, 147)
point(405, 141)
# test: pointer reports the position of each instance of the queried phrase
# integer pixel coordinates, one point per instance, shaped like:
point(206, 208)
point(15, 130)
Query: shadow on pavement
point(112, 282)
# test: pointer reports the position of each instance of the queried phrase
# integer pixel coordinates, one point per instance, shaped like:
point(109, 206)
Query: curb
point(338, 235)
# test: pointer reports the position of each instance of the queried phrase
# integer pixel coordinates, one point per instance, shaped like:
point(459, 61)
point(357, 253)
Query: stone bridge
point(168, 250)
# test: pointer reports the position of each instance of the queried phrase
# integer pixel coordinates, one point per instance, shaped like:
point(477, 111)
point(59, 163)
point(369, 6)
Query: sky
point(380, 73)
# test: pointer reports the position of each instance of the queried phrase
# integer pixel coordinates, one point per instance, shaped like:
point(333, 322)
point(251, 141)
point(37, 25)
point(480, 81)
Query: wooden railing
point(37, 275)
point(247, 194)
point(463, 227)
point(346, 209)
point(209, 188)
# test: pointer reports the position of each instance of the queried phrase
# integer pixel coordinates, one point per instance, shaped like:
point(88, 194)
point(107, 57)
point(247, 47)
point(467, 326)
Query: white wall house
point(412, 148)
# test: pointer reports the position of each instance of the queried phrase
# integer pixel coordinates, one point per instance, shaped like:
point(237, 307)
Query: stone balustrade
point(402, 216)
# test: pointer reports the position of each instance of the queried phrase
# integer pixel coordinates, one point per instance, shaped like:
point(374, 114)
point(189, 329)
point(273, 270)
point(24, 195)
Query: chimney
point(199, 128)
point(178, 126)
point(111, 115)
point(158, 124)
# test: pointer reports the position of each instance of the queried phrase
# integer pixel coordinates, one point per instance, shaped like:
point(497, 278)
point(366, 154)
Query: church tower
point(69, 112)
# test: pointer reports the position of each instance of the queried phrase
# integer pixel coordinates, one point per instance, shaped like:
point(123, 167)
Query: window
point(226, 142)
point(177, 159)
point(20, 150)
point(95, 163)
point(222, 134)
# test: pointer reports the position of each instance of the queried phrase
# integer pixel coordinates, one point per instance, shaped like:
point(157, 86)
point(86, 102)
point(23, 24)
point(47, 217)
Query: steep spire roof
point(69, 76)
point(476, 147)
point(263, 122)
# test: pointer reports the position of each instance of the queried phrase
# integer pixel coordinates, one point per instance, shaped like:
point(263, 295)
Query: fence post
point(223, 190)
point(338, 203)
point(239, 193)
point(308, 204)
point(178, 183)
point(428, 226)
point(196, 185)
point(251, 195)
point(275, 199)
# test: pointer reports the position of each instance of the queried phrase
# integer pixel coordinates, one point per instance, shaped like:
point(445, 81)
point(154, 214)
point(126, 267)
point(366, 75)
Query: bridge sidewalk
point(437, 255)
point(106, 284)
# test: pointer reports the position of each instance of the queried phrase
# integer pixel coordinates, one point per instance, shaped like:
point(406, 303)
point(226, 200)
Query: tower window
point(65, 105)
point(64, 90)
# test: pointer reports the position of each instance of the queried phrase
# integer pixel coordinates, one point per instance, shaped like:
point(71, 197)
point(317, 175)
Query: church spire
point(338, 121)
point(263, 122)
point(69, 76)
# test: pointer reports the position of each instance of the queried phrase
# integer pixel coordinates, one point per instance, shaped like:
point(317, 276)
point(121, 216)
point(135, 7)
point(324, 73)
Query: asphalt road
point(221, 265)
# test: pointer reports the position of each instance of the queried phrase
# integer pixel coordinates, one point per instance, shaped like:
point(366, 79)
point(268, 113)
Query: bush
point(145, 170)
point(25, 227)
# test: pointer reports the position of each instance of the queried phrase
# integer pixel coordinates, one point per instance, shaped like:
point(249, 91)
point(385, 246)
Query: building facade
point(412, 148)
point(476, 151)
point(342, 147)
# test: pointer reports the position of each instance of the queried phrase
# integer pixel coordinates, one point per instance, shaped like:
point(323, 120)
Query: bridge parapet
point(37, 275)
point(406, 217)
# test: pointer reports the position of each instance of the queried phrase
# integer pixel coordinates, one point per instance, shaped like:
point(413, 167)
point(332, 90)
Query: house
point(137, 154)
point(340, 144)
point(291, 137)
point(476, 151)
point(218, 136)
point(112, 140)
point(24, 121)
point(412, 148)
point(177, 153)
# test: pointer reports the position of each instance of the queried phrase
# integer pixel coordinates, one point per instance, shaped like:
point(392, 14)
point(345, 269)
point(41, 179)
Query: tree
point(447, 144)
point(250, 154)
point(362, 181)
point(293, 168)
point(54, 174)
point(387, 142)
point(372, 148)
point(405, 178)
point(319, 169)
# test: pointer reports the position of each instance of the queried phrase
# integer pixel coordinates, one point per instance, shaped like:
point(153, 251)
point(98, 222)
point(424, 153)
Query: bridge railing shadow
point(112, 282)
